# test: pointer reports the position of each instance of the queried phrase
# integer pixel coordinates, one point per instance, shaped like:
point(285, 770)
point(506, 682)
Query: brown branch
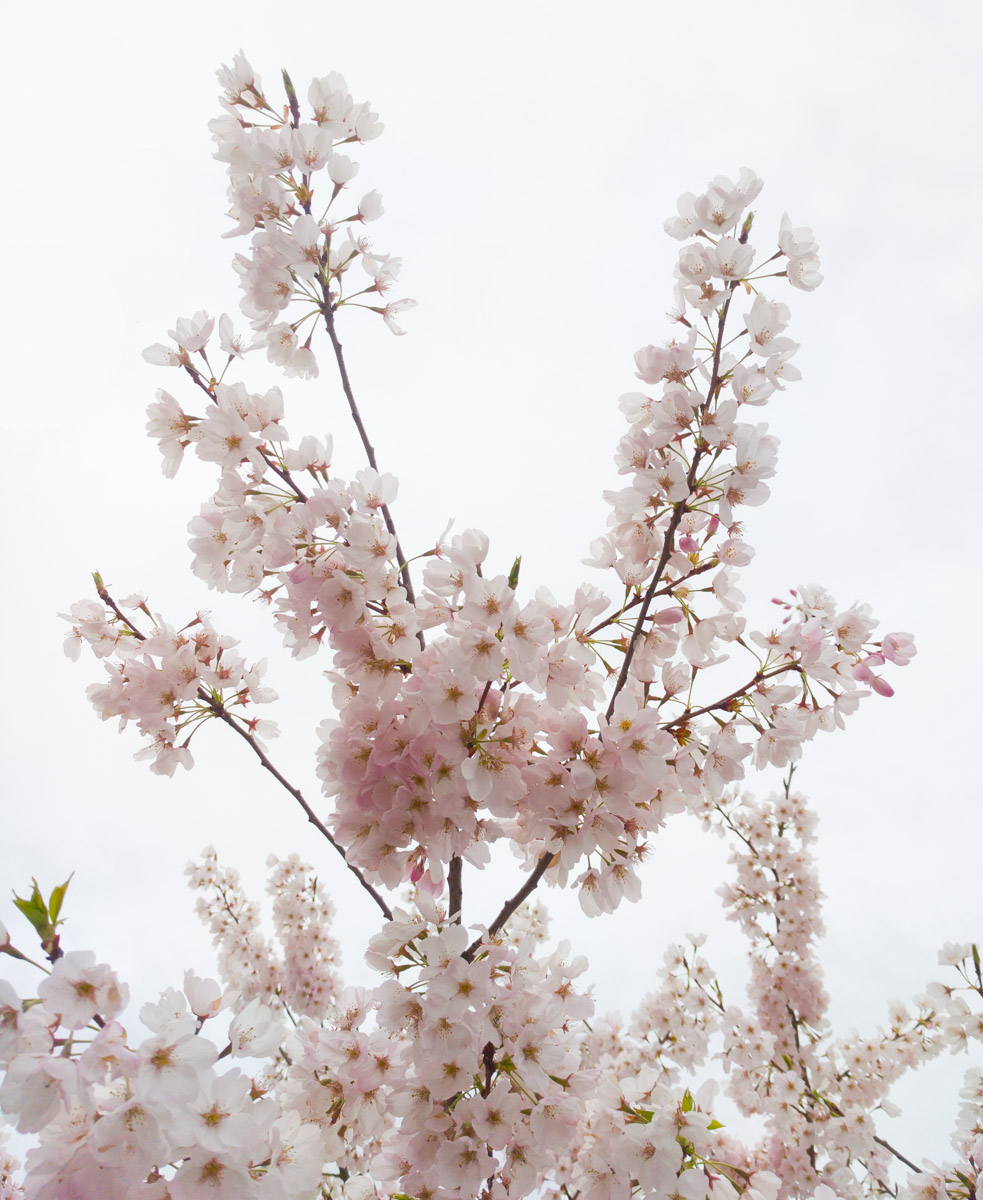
point(509, 907)
point(454, 889)
point(329, 324)
point(109, 602)
point(667, 545)
point(897, 1154)
point(663, 591)
point(689, 713)
point(679, 509)
point(488, 1061)
point(219, 710)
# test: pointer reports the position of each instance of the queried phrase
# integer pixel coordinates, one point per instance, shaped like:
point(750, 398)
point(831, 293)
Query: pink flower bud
point(668, 616)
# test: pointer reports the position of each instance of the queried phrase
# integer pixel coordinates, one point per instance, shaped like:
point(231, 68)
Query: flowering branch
point(219, 710)
point(680, 508)
point(650, 593)
point(209, 390)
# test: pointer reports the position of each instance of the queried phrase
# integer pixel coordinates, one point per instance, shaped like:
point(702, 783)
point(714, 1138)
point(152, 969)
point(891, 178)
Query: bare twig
point(219, 710)
point(509, 907)
point(329, 324)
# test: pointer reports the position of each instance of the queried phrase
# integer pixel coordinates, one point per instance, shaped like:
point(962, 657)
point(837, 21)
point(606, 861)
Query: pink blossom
point(78, 989)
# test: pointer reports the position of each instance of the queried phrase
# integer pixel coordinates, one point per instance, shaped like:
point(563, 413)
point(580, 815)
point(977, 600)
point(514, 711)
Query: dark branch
point(679, 509)
point(329, 324)
point(220, 712)
point(509, 907)
point(454, 889)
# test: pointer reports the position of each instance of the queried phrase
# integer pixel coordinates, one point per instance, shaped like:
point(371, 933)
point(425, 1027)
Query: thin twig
point(669, 588)
point(679, 509)
point(509, 907)
point(109, 602)
point(838, 1112)
point(667, 547)
point(329, 324)
point(219, 710)
point(284, 475)
point(689, 713)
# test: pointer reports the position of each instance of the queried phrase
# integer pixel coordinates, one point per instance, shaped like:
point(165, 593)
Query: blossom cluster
point(300, 251)
point(471, 714)
point(114, 1114)
point(168, 682)
point(303, 975)
point(476, 1069)
point(467, 713)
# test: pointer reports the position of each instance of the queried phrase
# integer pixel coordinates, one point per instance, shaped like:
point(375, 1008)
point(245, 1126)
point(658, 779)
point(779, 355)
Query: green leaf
point(34, 909)
point(687, 1104)
point(45, 924)
point(57, 896)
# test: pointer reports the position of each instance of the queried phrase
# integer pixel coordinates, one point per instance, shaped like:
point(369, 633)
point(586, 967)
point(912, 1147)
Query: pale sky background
point(531, 154)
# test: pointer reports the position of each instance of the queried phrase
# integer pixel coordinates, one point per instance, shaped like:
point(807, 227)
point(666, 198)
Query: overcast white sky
point(531, 154)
